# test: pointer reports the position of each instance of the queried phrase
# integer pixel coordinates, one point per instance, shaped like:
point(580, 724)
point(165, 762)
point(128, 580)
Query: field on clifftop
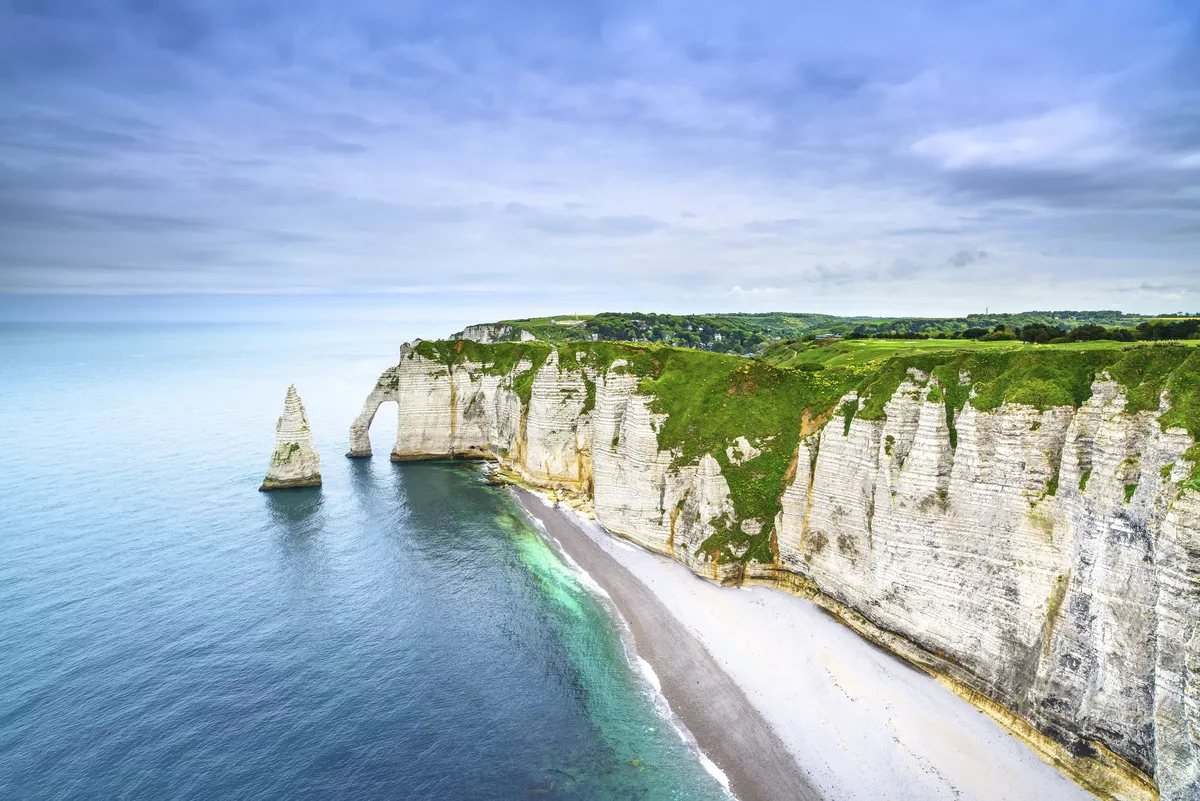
point(836, 352)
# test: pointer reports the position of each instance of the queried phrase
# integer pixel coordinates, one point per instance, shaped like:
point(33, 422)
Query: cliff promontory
point(1023, 525)
point(295, 461)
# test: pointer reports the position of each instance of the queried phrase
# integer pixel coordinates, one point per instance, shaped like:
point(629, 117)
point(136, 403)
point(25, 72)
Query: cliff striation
point(1023, 526)
point(295, 461)
point(485, 333)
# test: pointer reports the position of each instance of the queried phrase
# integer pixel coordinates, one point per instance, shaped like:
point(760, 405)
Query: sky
point(482, 160)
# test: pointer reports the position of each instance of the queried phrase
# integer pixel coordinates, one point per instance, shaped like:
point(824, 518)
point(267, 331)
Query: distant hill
point(750, 333)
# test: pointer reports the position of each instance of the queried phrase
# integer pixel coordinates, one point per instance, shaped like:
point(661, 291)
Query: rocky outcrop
point(386, 389)
point(485, 333)
point(295, 461)
point(1043, 564)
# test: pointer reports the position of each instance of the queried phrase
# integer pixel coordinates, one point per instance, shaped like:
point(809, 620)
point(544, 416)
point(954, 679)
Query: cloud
point(558, 224)
point(342, 147)
point(1068, 137)
point(903, 268)
point(965, 257)
point(757, 291)
point(778, 227)
point(1184, 291)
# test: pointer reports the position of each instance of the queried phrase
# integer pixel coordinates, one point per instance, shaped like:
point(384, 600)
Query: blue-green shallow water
point(166, 631)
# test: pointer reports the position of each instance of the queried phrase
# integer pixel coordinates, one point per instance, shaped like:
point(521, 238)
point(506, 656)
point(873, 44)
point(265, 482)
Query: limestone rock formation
point(485, 333)
point(1045, 565)
point(489, 333)
point(295, 461)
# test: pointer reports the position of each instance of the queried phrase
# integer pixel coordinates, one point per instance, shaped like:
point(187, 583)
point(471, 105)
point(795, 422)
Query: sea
point(167, 631)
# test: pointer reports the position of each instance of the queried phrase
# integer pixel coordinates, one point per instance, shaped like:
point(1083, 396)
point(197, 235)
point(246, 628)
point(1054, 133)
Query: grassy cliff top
point(833, 352)
point(745, 333)
point(710, 399)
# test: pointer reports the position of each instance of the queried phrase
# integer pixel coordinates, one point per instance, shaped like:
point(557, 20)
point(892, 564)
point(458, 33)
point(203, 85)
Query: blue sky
point(535, 156)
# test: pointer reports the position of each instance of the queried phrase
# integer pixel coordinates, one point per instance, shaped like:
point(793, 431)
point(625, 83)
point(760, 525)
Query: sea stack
point(295, 462)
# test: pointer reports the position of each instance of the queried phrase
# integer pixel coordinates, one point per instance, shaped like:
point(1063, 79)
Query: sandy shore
point(727, 726)
point(789, 703)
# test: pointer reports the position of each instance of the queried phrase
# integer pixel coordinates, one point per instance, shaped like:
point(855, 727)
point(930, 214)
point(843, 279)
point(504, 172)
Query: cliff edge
point(1023, 526)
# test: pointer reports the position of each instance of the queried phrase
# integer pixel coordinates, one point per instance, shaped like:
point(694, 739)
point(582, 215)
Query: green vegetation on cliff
point(834, 352)
point(1049, 376)
point(747, 333)
point(711, 399)
point(721, 333)
point(1046, 377)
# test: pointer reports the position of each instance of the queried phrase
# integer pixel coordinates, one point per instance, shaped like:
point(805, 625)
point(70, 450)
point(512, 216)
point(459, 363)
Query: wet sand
point(726, 725)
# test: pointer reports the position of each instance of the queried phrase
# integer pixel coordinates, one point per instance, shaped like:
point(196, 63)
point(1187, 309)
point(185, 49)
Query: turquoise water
point(170, 632)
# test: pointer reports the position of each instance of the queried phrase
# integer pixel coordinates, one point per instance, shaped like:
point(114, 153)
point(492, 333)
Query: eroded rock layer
point(295, 461)
point(1044, 564)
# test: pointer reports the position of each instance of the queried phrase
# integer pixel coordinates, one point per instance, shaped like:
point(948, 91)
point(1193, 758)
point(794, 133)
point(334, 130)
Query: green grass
point(1175, 369)
point(847, 412)
point(563, 320)
point(1193, 481)
point(868, 351)
point(1046, 375)
point(709, 399)
point(557, 332)
point(589, 400)
point(500, 359)
point(836, 353)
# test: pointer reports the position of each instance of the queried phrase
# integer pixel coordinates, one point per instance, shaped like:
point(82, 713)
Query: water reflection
point(296, 512)
point(362, 476)
point(297, 521)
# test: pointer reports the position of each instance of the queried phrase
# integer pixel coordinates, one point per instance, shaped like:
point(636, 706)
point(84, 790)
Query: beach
point(789, 703)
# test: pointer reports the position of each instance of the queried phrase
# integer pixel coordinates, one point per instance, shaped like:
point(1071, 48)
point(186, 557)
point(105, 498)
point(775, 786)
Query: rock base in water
point(295, 461)
point(269, 485)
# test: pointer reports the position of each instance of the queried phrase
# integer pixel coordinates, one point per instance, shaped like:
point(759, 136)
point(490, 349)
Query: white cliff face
point(1067, 606)
point(1177, 643)
point(557, 435)
point(1046, 566)
point(295, 461)
point(485, 333)
point(639, 493)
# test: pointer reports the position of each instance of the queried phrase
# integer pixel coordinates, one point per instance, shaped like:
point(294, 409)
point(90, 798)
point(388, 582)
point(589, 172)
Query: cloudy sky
point(869, 156)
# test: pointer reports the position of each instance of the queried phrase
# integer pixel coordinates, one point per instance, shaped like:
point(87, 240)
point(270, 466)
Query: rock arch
point(387, 388)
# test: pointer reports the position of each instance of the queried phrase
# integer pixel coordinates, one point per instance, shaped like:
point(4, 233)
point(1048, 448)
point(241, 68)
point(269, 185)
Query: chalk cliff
point(295, 461)
point(1040, 558)
point(485, 333)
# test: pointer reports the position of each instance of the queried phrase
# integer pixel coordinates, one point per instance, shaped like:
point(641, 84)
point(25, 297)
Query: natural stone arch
point(386, 389)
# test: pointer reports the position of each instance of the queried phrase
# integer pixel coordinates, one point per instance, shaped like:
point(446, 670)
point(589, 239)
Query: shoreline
point(849, 719)
point(728, 729)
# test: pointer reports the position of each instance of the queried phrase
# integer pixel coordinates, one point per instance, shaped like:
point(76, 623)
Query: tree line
point(1045, 334)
